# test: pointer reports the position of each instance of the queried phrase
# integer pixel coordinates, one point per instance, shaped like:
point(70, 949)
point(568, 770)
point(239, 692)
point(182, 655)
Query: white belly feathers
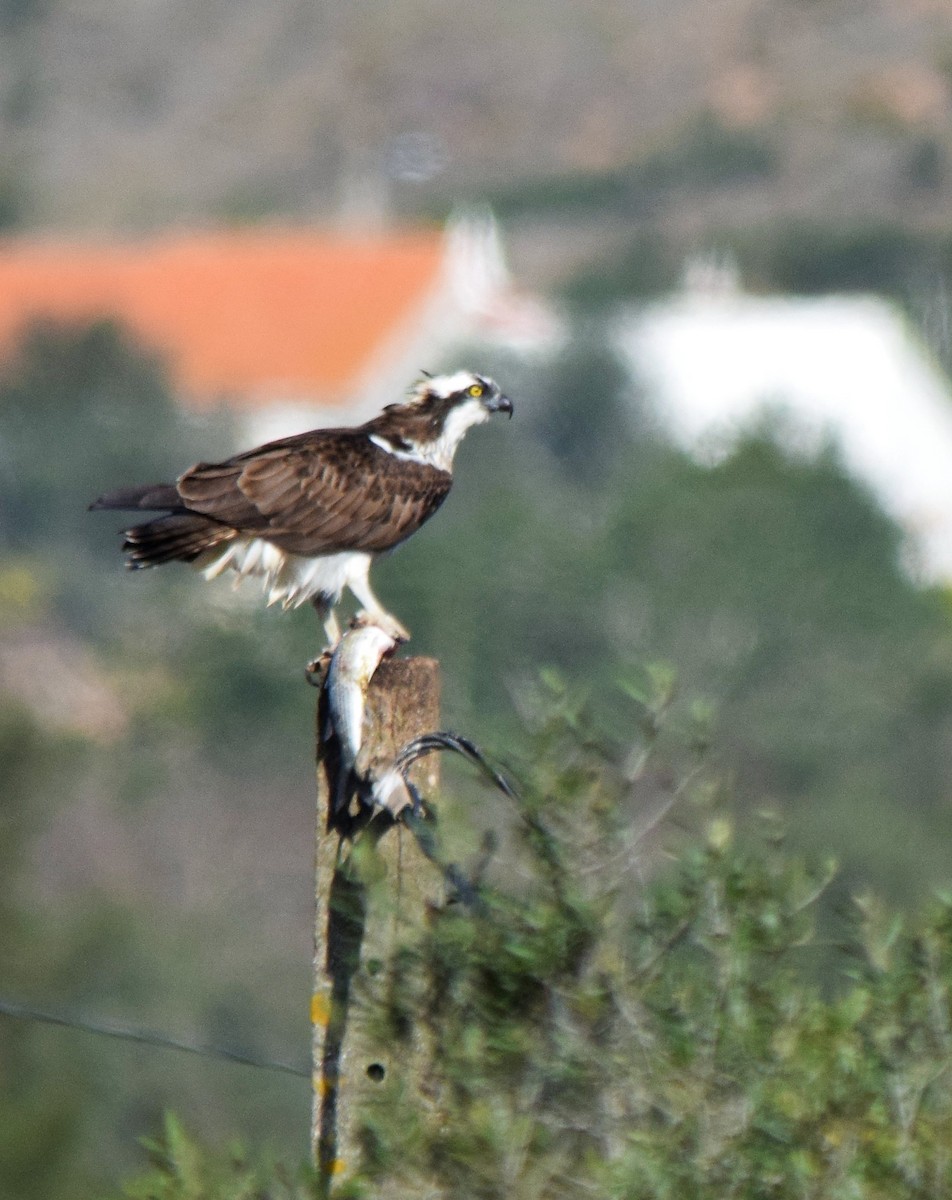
point(289, 579)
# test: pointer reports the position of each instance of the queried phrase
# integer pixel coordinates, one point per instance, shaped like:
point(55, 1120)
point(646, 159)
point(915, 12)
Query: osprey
point(310, 513)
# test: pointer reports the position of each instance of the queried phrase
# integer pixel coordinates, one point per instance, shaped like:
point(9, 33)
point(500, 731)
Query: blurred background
point(707, 249)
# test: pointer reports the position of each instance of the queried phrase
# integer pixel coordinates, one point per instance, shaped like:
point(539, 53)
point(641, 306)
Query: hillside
point(124, 117)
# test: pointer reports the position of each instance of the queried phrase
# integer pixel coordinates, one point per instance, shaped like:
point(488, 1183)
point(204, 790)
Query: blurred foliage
point(586, 445)
point(646, 265)
point(11, 203)
point(702, 156)
point(14, 14)
point(39, 1125)
point(184, 1170)
point(76, 403)
point(813, 258)
point(623, 1030)
point(80, 407)
point(798, 257)
point(607, 1036)
point(925, 164)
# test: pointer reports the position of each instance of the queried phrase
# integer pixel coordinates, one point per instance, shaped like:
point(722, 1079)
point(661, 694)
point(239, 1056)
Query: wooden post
point(357, 924)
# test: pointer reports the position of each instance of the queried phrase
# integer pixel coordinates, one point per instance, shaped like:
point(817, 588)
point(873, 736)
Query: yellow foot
point(384, 621)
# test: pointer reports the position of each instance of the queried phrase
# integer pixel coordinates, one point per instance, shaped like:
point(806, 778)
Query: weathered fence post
point(356, 925)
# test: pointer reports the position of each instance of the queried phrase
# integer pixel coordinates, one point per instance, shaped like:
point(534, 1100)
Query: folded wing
point(319, 493)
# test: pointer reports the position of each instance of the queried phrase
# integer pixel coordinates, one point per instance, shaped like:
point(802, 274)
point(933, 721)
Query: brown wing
point(318, 493)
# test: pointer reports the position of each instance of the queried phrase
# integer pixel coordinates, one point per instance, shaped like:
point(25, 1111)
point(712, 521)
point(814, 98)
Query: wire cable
point(147, 1037)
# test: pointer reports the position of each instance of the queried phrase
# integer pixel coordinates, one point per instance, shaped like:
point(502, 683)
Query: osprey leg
point(359, 583)
point(324, 607)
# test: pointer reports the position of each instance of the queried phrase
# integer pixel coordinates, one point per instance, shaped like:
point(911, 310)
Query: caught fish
point(394, 792)
point(353, 664)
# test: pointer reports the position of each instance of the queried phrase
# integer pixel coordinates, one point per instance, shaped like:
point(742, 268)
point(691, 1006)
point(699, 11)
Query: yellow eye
point(476, 390)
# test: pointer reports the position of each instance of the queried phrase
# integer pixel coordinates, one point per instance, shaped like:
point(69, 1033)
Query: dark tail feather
point(440, 739)
point(151, 496)
point(180, 536)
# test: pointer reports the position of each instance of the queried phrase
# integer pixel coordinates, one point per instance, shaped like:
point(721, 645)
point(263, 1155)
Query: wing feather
point(319, 493)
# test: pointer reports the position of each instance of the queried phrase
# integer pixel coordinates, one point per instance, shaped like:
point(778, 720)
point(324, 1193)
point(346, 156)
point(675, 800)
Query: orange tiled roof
point(251, 314)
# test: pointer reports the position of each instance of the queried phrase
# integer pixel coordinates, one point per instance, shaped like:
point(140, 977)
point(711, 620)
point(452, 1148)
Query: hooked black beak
point(499, 403)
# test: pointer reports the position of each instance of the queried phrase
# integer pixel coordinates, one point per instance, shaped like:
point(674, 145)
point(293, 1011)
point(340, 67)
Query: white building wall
point(845, 367)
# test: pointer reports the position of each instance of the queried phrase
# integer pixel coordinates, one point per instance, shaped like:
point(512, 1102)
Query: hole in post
point(376, 1072)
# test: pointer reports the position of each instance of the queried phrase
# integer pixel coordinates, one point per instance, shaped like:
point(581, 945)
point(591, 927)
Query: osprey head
point(441, 395)
point(431, 424)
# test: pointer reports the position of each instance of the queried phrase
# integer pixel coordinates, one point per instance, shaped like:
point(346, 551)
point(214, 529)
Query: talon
point(390, 625)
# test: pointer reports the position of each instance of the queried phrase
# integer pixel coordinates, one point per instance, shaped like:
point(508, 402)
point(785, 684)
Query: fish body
point(355, 660)
point(394, 792)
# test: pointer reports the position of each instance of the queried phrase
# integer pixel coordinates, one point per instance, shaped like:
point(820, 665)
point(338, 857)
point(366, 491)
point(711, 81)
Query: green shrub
point(181, 1169)
point(626, 1024)
point(685, 1034)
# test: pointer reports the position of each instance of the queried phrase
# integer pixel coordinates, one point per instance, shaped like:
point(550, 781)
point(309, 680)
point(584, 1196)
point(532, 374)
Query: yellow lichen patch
point(320, 1008)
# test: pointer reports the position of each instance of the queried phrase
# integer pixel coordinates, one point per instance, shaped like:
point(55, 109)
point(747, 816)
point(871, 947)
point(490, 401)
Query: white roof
point(845, 367)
